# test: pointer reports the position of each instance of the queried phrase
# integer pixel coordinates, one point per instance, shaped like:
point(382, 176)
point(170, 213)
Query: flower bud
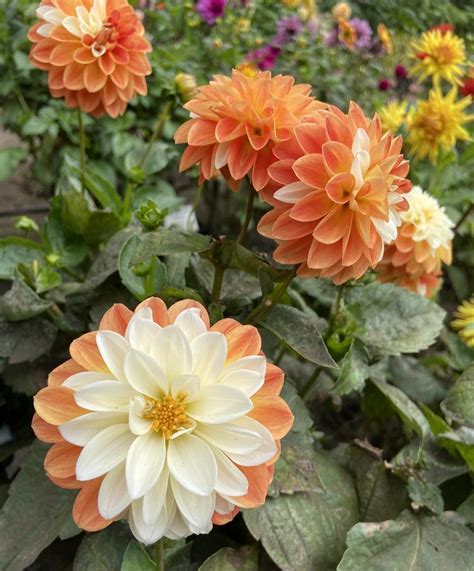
point(341, 11)
point(150, 215)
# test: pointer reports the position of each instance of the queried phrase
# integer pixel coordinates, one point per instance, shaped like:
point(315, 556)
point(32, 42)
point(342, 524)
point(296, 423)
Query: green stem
point(248, 215)
point(339, 298)
point(159, 558)
point(217, 285)
point(267, 304)
point(464, 217)
point(82, 148)
point(156, 133)
point(308, 387)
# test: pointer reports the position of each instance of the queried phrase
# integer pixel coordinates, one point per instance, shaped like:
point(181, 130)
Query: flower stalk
point(82, 148)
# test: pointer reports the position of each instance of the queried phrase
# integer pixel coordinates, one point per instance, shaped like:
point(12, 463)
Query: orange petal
point(74, 76)
point(337, 157)
point(293, 251)
point(94, 78)
point(241, 157)
point(259, 478)
point(180, 306)
point(85, 511)
point(84, 351)
point(334, 225)
point(340, 187)
point(61, 459)
point(311, 137)
point(222, 519)
point(311, 169)
point(202, 132)
point(120, 76)
point(286, 228)
point(282, 172)
point(45, 431)
point(260, 176)
point(158, 309)
point(274, 379)
point(63, 372)
point(63, 54)
point(274, 413)
point(226, 325)
point(324, 255)
point(242, 342)
point(69, 483)
point(228, 129)
point(116, 318)
point(56, 405)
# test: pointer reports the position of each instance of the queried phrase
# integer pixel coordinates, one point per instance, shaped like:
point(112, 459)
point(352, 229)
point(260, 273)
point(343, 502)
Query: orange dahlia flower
point(94, 52)
point(164, 420)
point(337, 192)
point(422, 245)
point(236, 121)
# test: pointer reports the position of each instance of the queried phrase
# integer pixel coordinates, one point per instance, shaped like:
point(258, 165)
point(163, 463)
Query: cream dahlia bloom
point(163, 420)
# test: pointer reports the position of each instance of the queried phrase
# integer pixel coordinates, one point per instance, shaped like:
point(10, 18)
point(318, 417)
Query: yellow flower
point(437, 123)
point(385, 38)
point(393, 115)
point(307, 10)
point(464, 323)
point(291, 3)
point(243, 25)
point(341, 11)
point(440, 55)
point(248, 68)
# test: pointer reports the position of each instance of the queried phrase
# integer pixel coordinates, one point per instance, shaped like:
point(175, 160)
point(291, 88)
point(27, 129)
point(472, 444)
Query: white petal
point(154, 500)
point(113, 348)
point(104, 395)
point(230, 480)
point(143, 313)
point(263, 453)
point(181, 431)
point(72, 25)
point(190, 323)
point(230, 437)
point(80, 380)
point(45, 30)
point(196, 509)
point(223, 506)
point(192, 463)
point(293, 192)
point(187, 385)
point(145, 461)
point(145, 375)
point(254, 363)
point(361, 141)
point(178, 527)
point(138, 425)
point(80, 430)
point(113, 495)
point(248, 382)
point(172, 352)
point(209, 355)
point(144, 532)
point(143, 334)
point(219, 403)
point(105, 451)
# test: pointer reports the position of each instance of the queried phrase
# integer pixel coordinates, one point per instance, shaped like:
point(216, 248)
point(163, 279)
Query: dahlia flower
point(440, 55)
point(363, 33)
point(210, 10)
point(236, 121)
point(393, 115)
point(337, 192)
point(464, 322)
point(93, 51)
point(423, 243)
point(341, 11)
point(437, 123)
point(163, 420)
point(287, 29)
point(385, 38)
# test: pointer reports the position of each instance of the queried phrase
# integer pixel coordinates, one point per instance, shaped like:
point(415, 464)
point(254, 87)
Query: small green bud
point(26, 224)
point(150, 215)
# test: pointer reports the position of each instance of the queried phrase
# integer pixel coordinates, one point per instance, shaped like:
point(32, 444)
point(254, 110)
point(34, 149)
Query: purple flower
point(385, 85)
point(264, 58)
point(400, 71)
point(287, 29)
point(332, 39)
point(210, 10)
point(363, 31)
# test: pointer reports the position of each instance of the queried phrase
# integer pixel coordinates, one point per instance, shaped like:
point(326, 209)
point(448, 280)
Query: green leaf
point(26, 340)
point(411, 416)
point(354, 370)
point(137, 559)
point(459, 402)
point(425, 494)
point(381, 494)
point(21, 302)
point(300, 332)
point(228, 559)
point(415, 380)
point(396, 320)
point(156, 160)
point(27, 378)
point(33, 514)
point(9, 160)
point(101, 226)
point(409, 543)
point(103, 550)
point(307, 531)
point(302, 419)
point(162, 242)
point(15, 250)
point(466, 509)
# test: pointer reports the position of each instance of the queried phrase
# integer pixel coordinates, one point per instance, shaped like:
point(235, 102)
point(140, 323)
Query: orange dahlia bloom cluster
point(212, 372)
point(237, 121)
point(337, 193)
point(422, 245)
point(94, 52)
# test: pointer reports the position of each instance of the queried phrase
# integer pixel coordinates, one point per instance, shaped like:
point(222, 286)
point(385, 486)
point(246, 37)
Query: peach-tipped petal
point(57, 405)
point(85, 511)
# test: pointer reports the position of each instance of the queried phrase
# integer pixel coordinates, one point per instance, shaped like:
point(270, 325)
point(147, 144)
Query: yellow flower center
point(168, 415)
